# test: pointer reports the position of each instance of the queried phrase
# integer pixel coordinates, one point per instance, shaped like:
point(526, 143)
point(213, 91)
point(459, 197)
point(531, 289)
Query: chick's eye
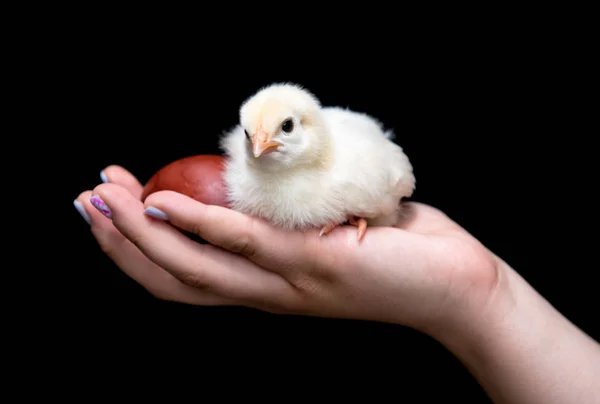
point(247, 135)
point(288, 125)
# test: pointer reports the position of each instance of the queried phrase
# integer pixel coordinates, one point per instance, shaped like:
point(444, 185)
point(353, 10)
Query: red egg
point(199, 177)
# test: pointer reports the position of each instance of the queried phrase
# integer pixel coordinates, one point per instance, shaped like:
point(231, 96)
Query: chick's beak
point(261, 144)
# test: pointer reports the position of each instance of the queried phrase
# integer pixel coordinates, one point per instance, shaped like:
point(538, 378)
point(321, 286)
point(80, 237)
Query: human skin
point(428, 273)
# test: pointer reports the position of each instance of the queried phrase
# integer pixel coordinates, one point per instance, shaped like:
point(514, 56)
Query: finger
point(132, 262)
point(199, 265)
point(260, 242)
point(120, 176)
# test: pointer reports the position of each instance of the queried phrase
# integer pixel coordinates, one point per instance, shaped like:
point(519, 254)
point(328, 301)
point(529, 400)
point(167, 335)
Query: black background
point(486, 120)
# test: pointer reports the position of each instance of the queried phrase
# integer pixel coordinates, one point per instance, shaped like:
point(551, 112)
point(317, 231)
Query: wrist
point(475, 314)
point(519, 339)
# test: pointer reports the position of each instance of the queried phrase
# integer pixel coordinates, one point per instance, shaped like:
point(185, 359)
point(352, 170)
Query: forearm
point(524, 351)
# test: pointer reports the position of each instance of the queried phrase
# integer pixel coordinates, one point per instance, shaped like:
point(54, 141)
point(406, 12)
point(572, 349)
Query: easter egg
point(199, 177)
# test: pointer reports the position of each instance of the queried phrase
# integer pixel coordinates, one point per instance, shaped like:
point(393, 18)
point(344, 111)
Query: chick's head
point(283, 127)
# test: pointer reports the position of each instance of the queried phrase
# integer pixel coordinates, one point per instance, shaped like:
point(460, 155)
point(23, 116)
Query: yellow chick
point(299, 165)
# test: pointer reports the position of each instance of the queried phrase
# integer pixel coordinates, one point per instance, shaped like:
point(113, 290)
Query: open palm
point(415, 274)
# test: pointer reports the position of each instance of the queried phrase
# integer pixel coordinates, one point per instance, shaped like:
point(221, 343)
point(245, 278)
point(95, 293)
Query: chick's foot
point(359, 222)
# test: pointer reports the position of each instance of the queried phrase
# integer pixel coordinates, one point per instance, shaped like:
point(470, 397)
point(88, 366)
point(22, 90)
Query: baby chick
point(299, 165)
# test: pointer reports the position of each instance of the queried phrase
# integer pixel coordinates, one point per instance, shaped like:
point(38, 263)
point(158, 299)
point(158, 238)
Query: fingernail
point(156, 213)
point(81, 211)
point(101, 206)
point(103, 177)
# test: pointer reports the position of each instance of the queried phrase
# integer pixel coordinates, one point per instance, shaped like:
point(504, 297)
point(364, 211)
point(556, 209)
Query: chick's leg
point(359, 222)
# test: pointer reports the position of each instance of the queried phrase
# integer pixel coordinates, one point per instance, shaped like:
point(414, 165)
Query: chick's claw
point(361, 223)
point(328, 229)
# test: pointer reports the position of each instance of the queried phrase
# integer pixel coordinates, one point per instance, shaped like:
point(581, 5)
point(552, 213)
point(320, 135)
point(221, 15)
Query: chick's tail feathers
point(402, 185)
point(389, 134)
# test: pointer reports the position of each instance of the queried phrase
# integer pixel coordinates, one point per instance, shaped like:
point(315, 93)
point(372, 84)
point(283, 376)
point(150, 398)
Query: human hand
point(424, 273)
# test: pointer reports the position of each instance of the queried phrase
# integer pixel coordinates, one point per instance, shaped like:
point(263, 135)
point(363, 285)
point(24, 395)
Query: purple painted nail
point(156, 213)
point(101, 206)
point(81, 211)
